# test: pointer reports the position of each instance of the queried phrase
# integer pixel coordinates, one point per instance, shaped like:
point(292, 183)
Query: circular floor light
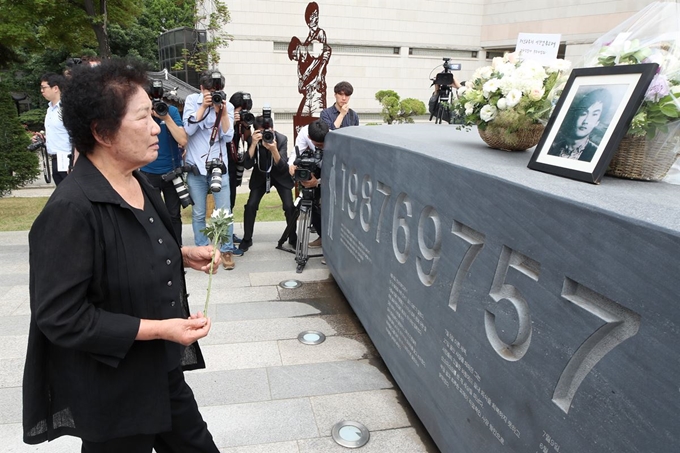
point(350, 434)
point(290, 284)
point(311, 337)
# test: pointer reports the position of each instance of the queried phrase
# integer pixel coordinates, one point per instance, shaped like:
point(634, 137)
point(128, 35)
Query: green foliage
point(398, 111)
point(213, 17)
point(33, 119)
point(18, 166)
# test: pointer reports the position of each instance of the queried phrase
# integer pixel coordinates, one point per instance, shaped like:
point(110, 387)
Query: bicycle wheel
point(46, 164)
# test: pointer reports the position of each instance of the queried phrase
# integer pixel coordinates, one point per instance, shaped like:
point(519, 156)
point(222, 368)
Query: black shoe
point(292, 240)
point(236, 239)
point(245, 245)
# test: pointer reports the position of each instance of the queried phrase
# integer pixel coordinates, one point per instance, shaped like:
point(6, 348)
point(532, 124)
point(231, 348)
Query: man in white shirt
point(56, 136)
point(207, 153)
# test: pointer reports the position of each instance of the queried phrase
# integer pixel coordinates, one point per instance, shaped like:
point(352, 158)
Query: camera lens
point(161, 108)
point(215, 179)
point(217, 97)
point(268, 136)
point(182, 192)
point(248, 118)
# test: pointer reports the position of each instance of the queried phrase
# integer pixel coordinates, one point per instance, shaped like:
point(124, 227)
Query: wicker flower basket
point(521, 140)
point(643, 159)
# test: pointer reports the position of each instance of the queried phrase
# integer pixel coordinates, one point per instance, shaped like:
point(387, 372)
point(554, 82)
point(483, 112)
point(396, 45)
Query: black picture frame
point(617, 92)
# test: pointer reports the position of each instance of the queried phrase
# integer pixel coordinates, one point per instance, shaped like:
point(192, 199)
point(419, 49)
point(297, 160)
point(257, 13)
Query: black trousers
point(253, 204)
point(189, 432)
point(171, 201)
point(57, 176)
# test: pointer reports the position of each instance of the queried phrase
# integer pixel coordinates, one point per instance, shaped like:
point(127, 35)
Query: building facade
point(396, 44)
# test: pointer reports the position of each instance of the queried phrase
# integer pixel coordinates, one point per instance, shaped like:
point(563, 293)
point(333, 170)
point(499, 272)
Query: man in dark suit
point(268, 157)
point(573, 140)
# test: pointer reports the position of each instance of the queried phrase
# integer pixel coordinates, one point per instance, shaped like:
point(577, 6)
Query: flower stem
point(210, 274)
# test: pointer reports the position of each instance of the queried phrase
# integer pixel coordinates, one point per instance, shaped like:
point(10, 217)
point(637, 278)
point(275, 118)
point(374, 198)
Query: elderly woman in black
point(110, 327)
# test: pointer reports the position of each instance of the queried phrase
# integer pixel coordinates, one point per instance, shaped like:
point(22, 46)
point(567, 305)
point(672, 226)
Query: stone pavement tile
point(279, 447)
point(262, 310)
point(10, 238)
point(10, 306)
point(333, 349)
point(344, 324)
point(404, 440)
point(13, 346)
point(376, 409)
point(240, 356)
point(11, 372)
point(326, 378)
point(11, 442)
point(10, 405)
point(14, 325)
point(260, 423)
point(264, 330)
point(222, 280)
point(23, 310)
point(312, 290)
point(230, 295)
point(217, 388)
point(13, 275)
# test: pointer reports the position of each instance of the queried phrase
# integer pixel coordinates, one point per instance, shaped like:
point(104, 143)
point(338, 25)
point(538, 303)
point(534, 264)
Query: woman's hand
point(199, 257)
point(177, 330)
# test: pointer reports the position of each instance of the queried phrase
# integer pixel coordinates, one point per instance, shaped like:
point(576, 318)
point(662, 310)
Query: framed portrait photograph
point(591, 117)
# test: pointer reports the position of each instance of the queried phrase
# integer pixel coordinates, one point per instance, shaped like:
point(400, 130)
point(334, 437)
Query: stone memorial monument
point(518, 311)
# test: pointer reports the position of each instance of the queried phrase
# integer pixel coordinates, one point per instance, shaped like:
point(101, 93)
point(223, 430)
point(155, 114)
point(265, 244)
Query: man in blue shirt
point(169, 159)
point(210, 128)
point(339, 114)
point(56, 136)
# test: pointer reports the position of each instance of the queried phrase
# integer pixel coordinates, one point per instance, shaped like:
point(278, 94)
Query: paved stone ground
point(262, 390)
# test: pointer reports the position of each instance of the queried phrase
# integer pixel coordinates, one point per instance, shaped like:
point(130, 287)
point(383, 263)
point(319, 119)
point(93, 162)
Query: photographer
point(243, 119)
point(209, 123)
point(169, 158)
point(267, 156)
point(312, 137)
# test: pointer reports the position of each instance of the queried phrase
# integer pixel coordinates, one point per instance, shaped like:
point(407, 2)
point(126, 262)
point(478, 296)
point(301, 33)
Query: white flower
point(559, 65)
point(490, 87)
point(496, 62)
point(461, 91)
point(536, 93)
point(506, 68)
point(469, 108)
point(488, 113)
point(482, 73)
point(220, 213)
point(511, 57)
point(502, 104)
point(513, 97)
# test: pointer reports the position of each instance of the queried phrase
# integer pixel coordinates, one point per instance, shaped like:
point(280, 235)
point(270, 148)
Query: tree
point(213, 17)
point(398, 111)
point(18, 166)
point(33, 25)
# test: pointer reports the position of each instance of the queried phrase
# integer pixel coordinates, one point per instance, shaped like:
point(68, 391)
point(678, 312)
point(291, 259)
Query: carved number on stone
point(621, 324)
point(344, 171)
point(400, 222)
point(387, 191)
point(429, 254)
point(352, 193)
point(476, 243)
point(366, 196)
point(501, 290)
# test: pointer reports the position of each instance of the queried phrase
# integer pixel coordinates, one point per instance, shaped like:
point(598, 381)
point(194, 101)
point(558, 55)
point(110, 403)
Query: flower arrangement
point(510, 93)
point(661, 104)
point(217, 230)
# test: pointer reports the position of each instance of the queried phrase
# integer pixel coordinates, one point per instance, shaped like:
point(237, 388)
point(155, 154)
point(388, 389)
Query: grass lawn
point(18, 214)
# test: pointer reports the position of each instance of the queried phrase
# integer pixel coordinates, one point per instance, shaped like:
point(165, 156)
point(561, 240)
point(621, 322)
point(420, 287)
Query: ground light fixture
point(290, 284)
point(350, 434)
point(311, 337)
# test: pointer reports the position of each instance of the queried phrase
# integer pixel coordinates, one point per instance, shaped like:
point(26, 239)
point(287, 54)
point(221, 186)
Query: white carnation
point(488, 113)
point(502, 104)
point(513, 97)
point(490, 87)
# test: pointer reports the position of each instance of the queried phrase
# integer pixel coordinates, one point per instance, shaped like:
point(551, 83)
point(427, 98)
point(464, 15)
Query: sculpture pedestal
point(518, 311)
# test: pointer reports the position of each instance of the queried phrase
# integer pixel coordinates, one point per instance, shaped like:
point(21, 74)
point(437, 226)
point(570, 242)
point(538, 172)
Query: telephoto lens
point(268, 136)
point(182, 191)
point(215, 179)
point(160, 107)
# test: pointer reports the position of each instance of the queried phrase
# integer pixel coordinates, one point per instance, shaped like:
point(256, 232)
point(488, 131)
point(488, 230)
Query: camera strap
point(267, 172)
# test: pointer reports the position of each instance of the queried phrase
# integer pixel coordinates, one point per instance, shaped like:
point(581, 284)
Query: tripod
point(305, 204)
point(443, 108)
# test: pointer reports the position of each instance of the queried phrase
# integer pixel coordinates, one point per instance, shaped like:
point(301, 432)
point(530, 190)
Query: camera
point(160, 107)
point(445, 78)
point(216, 169)
point(307, 164)
point(267, 133)
point(218, 96)
point(177, 178)
point(246, 116)
point(39, 143)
